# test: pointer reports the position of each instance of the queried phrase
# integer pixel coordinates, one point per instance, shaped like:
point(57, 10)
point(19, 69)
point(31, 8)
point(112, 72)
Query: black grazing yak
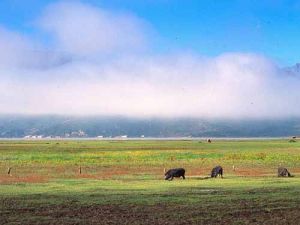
point(178, 172)
point(218, 170)
point(283, 172)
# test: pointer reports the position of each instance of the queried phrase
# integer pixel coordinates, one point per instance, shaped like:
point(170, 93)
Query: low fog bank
point(100, 62)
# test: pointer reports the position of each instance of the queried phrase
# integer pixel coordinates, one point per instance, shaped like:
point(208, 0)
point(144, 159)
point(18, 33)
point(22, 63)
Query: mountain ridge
point(19, 126)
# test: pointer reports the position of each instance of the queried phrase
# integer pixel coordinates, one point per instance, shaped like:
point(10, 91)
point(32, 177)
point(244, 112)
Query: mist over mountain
point(73, 126)
point(293, 70)
point(43, 126)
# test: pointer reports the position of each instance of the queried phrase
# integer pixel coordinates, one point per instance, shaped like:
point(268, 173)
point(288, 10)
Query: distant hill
point(16, 126)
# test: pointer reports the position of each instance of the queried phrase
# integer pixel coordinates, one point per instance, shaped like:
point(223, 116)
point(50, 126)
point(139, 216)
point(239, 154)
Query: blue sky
point(208, 27)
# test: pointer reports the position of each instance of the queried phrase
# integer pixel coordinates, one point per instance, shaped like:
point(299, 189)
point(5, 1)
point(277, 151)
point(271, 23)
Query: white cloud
point(20, 52)
point(82, 80)
point(85, 30)
point(13, 48)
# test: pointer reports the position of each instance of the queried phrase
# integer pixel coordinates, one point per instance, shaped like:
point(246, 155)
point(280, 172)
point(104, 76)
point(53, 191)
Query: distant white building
point(81, 133)
point(78, 133)
point(122, 136)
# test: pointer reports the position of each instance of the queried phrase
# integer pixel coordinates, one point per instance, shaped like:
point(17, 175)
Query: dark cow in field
point(283, 172)
point(218, 170)
point(178, 172)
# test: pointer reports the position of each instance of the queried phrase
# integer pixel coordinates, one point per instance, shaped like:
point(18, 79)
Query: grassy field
point(121, 182)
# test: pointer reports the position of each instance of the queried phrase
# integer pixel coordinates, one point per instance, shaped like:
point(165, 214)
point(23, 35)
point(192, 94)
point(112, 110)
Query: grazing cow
point(283, 172)
point(178, 172)
point(218, 170)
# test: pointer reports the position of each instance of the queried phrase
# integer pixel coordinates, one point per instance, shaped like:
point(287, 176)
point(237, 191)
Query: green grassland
point(121, 182)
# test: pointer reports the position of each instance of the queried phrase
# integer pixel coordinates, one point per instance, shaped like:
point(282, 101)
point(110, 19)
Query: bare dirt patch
point(252, 172)
point(240, 171)
point(24, 179)
point(121, 171)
